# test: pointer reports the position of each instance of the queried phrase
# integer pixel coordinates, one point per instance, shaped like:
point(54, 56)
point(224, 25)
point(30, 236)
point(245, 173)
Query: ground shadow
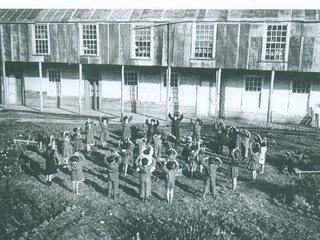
point(96, 187)
point(60, 182)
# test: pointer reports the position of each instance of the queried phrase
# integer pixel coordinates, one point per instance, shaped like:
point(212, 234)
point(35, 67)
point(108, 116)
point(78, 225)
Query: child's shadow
point(130, 191)
point(96, 187)
point(60, 182)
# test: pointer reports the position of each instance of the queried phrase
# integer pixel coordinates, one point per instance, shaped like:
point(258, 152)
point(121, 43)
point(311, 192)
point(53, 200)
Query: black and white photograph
point(159, 120)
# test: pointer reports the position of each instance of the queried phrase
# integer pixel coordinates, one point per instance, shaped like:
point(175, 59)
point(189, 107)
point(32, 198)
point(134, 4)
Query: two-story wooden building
point(261, 64)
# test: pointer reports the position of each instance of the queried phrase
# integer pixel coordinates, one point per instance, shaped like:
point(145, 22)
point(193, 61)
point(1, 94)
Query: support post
point(122, 89)
point(40, 80)
point(5, 86)
point(168, 92)
point(269, 115)
point(197, 98)
point(218, 86)
point(80, 95)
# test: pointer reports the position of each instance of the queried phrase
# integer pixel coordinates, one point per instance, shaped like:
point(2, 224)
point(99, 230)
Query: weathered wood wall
point(237, 46)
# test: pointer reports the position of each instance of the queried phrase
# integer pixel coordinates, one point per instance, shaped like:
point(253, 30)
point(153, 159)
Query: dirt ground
point(253, 211)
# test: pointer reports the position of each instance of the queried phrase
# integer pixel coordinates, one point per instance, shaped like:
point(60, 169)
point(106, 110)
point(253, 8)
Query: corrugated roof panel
point(191, 13)
point(3, 13)
point(41, 15)
point(82, 15)
point(34, 14)
point(101, 14)
point(68, 15)
point(10, 13)
point(152, 14)
point(24, 15)
point(49, 15)
point(202, 14)
point(179, 13)
point(137, 13)
point(216, 15)
point(58, 15)
point(121, 14)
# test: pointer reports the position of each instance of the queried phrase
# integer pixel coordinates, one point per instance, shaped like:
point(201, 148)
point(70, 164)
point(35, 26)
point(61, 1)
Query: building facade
point(258, 64)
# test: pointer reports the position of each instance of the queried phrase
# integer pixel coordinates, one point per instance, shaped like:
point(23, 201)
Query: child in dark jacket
point(175, 126)
point(152, 129)
point(210, 175)
point(112, 162)
point(76, 162)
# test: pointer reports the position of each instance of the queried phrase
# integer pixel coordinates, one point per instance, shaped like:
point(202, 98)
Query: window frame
point(194, 38)
point(53, 69)
point(302, 79)
point(82, 53)
point(135, 72)
point(49, 82)
point(164, 80)
point(264, 42)
point(133, 41)
point(252, 76)
point(34, 46)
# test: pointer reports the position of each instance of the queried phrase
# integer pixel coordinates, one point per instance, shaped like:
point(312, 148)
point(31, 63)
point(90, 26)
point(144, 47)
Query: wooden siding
point(232, 51)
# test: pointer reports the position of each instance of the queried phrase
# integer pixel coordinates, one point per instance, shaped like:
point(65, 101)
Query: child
point(76, 161)
point(104, 135)
point(196, 129)
point(78, 144)
point(221, 134)
point(67, 149)
point(89, 135)
point(168, 140)
point(201, 158)
point(192, 159)
point(175, 126)
point(157, 146)
point(142, 143)
point(234, 138)
point(245, 136)
point(171, 171)
point(112, 162)
point(234, 169)
point(126, 148)
point(254, 159)
point(51, 167)
point(263, 150)
point(210, 176)
point(145, 166)
point(187, 148)
point(126, 130)
point(152, 129)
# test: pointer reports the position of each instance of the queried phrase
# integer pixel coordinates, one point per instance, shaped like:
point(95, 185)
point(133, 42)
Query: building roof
point(153, 15)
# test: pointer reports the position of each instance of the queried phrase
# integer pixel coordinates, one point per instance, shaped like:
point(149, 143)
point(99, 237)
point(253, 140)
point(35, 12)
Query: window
point(41, 39)
point(253, 84)
point(131, 78)
point(142, 42)
point(54, 76)
point(301, 86)
point(89, 39)
point(203, 46)
point(174, 80)
point(275, 46)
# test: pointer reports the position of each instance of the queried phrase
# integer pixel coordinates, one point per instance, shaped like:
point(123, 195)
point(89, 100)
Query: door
point(15, 89)
point(251, 97)
point(299, 95)
point(94, 90)
point(54, 88)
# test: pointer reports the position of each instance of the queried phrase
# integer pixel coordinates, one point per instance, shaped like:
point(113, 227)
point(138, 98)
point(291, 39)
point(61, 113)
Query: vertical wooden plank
point(307, 57)
point(53, 34)
point(269, 114)
point(221, 45)
point(124, 57)
point(80, 82)
point(7, 42)
point(103, 40)
point(231, 50)
point(158, 44)
point(15, 47)
point(40, 81)
point(187, 30)
point(243, 46)
point(168, 92)
point(61, 43)
point(255, 52)
point(218, 93)
point(294, 53)
point(114, 43)
point(23, 42)
point(73, 43)
point(122, 89)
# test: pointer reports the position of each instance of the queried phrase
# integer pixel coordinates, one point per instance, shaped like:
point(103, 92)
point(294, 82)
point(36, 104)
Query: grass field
point(270, 208)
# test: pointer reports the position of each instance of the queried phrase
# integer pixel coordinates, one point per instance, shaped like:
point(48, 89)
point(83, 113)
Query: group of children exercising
point(158, 150)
